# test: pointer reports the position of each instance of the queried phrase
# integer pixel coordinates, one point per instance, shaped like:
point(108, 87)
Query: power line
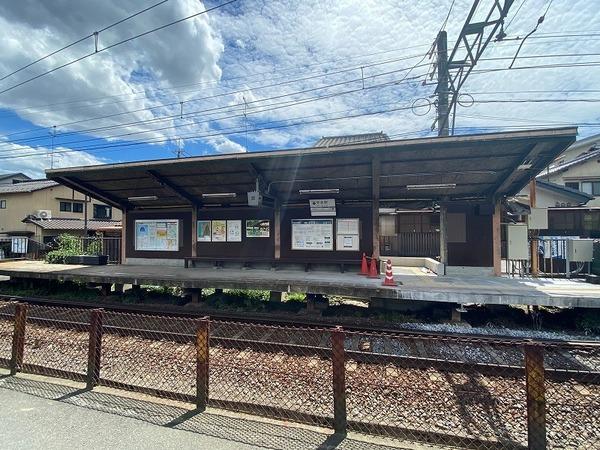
point(221, 133)
point(285, 104)
point(539, 22)
point(188, 114)
point(114, 45)
point(94, 34)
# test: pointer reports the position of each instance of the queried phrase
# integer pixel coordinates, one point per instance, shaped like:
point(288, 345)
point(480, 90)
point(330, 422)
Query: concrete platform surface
point(454, 289)
point(44, 413)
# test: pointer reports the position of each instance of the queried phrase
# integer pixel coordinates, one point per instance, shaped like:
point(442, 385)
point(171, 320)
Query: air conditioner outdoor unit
point(43, 214)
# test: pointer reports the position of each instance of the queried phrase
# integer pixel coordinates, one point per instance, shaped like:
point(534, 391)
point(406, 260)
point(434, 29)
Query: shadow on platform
point(227, 426)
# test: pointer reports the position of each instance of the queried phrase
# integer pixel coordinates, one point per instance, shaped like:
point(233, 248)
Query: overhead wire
point(103, 49)
point(95, 33)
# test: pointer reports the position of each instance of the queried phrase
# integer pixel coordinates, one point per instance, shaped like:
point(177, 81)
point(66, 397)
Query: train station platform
point(568, 293)
point(41, 412)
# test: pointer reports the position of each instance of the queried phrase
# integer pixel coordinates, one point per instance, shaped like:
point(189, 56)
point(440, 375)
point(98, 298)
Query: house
point(10, 178)
point(553, 195)
point(578, 168)
point(43, 209)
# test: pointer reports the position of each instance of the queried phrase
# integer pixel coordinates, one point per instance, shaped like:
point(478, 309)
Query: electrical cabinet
point(538, 219)
point(580, 250)
point(517, 246)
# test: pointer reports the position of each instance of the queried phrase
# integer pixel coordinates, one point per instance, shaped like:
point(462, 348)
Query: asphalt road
point(29, 422)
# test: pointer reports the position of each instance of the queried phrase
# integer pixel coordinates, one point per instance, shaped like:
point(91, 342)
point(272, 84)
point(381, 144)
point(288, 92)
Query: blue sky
point(259, 75)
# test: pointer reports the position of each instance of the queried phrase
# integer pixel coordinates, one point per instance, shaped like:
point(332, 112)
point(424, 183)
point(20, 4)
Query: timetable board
point(312, 234)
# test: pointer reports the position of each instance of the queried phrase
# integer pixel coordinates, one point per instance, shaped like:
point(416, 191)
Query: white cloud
point(249, 47)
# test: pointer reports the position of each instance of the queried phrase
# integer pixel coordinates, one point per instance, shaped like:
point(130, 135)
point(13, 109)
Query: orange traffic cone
point(364, 267)
point(389, 275)
point(373, 269)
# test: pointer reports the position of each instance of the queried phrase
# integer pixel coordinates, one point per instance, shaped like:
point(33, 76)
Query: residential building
point(10, 178)
point(578, 168)
point(553, 195)
point(43, 209)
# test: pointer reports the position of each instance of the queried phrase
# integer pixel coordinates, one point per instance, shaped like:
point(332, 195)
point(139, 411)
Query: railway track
point(578, 361)
point(285, 320)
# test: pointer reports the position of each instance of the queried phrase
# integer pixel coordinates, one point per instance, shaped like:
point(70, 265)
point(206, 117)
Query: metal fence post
point(536, 397)
point(18, 343)
point(94, 348)
point(202, 362)
point(338, 358)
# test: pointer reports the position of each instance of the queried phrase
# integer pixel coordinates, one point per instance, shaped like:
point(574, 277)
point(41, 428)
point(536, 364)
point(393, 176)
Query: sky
point(263, 75)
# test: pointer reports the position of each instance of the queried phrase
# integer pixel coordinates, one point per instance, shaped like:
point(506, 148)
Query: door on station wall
point(410, 234)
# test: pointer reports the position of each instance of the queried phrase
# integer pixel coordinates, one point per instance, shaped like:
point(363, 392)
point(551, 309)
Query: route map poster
point(157, 235)
point(312, 234)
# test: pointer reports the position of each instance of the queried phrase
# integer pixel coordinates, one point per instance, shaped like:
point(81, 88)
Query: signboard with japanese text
point(312, 234)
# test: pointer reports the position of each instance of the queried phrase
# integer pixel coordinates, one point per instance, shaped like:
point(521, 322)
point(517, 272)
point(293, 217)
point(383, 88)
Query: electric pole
point(442, 86)
point(453, 71)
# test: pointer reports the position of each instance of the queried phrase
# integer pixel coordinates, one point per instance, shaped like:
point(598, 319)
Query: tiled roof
point(580, 159)
point(582, 197)
point(26, 186)
point(334, 141)
point(4, 176)
point(72, 224)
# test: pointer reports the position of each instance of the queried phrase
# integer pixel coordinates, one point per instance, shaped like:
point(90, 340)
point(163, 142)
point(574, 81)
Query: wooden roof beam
point(98, 194)
point(166, 183)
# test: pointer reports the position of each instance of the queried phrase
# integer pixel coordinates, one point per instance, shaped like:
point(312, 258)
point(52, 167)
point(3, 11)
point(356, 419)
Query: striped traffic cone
point(389, 275)
point(364, 267)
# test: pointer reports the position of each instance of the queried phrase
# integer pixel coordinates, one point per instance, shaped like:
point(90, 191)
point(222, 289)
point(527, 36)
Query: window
point(102, 212)
point(591, 187)
point(77, 207)
point(2, 204)
point(572, 185)
point(65, 206)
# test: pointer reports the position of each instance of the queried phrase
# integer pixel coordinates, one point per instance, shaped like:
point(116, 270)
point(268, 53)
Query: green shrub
point(69, 245)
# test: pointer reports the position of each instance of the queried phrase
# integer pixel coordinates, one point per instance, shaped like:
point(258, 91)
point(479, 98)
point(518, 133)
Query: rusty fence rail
point(461, 391)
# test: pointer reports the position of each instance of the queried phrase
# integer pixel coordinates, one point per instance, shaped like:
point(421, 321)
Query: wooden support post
point(444, 237)
point(535, 263)
point(105, 289)
point(536, 397)
point(94, 348)
point(497, 239)
point(195, 295)
point(194, 230)
point(202, 362)
point(124, 237)
point(375, 189)
point(338, 357)
point(18, 343)
point(275, 296)
point(119, 288)
point(218, 291)
point(277, 230)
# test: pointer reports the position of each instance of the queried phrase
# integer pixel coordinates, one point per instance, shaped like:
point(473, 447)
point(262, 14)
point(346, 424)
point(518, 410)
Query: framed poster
point(258, 228)
point(347, 234)
point(219, 231)
point(234, 231)
point(204, 231)
point(157, 235)
point(312, 234)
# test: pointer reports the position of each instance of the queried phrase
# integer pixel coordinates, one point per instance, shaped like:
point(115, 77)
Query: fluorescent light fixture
point(142, 198)
point(220, 195)
point(319, 191)
point(416, 187)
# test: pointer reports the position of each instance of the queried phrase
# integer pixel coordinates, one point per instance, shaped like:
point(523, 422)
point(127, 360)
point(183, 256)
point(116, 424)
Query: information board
point(157, 235)
point(258, 228)
point(312, 234)
point(219, 231)
point(234, 231)
point(348, 234)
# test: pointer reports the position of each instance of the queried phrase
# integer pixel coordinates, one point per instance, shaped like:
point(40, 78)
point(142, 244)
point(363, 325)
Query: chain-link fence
point(451, 390)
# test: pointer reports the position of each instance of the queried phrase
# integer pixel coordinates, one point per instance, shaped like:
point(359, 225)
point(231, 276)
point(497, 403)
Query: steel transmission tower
point(452, 72)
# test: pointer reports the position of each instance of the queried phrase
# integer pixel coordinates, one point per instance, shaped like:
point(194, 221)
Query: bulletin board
point(157, 235)
point(312, 234)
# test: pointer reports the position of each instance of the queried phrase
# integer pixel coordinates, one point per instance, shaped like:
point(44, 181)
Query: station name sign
point(322, 207)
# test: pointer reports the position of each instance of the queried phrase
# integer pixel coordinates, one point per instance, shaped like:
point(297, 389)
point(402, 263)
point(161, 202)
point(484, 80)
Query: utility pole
point(453, 70)
point(442, 86)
